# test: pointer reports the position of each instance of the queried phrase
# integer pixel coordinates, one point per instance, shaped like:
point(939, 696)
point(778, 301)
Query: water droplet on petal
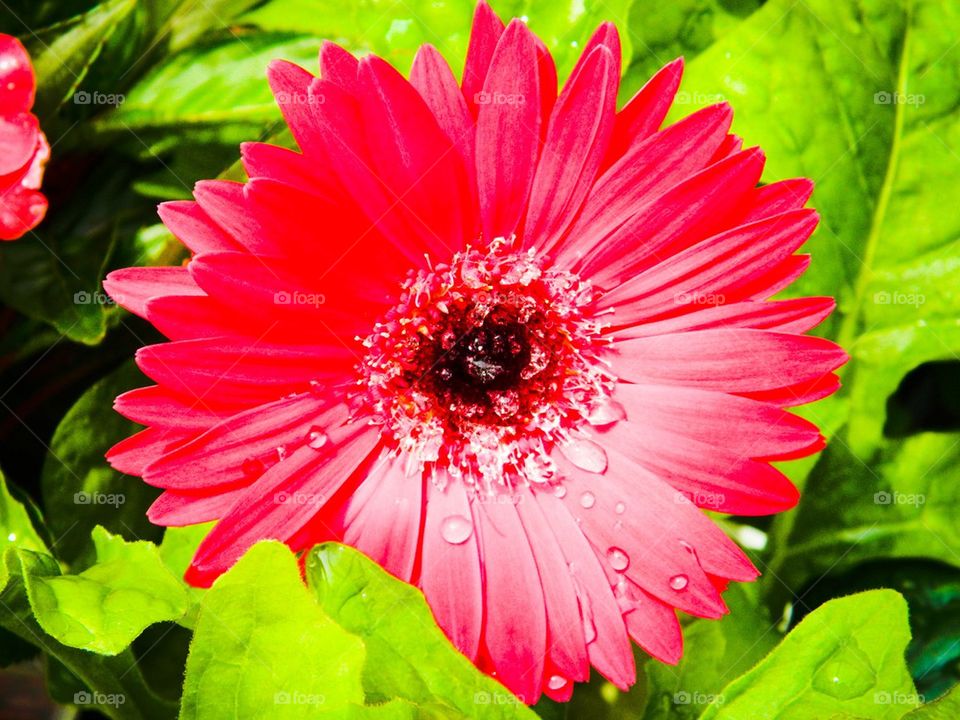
point(317, 438)
point(588, 500)
point(618, 559)
point(619, 508)
point(679, 582)
point(586, 455)
point(281, 453)
point(556, 682)
point(456, 529)
point(560, 491)
point(607, 413)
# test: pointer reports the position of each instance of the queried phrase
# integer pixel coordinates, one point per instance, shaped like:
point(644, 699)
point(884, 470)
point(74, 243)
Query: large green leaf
point(63, 53)
point(395, 31)
point(113, 685)
point(408, 656)
point(843, 660)
point(946, 708)
point(216, 90)
point(104, 608)
point(715, 652)
point(16, 526)
point(263, 648)
point(80, 489)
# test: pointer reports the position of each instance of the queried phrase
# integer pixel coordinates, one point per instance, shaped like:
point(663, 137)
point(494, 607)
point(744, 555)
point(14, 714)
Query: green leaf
point(114, 685)
point(263, 648)
point(663, 31)
point(104, 608)
point(715, 652)
point(395, 31)
point(843, 660)
point(904, 504)
point(63, 53)
point(16, 527)
point(408, 656)
point(211, 86)
point(80, 489)
point(946, 708)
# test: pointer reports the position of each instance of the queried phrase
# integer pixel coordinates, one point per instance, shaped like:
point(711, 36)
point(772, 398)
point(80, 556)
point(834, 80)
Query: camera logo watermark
point(82, 97)
point(299, 498)
point(899, 498)
point(98, 698)
point(685, 97)
point(699, 298)
point(299, 298)
point(498, 98)
point(898, 698)
point(98, 498)
point(899, 298)
point(82, 297)
point(298, 698)
point(684, 697)
point(883, 97)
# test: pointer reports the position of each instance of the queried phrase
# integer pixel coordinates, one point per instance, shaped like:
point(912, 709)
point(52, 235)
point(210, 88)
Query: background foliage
point(141, 98)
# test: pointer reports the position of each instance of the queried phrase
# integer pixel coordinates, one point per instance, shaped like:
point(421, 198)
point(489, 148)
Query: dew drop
point(281, 453)
point(619, 508)
point(586, 455)
point(12, 537)
point(560, 491)
point(607, 413)
point(456, 529)
point(557, 682)
point(317, 438)
point(679, 582)
point(618, 559)
point(588, 500)
point(846, 674)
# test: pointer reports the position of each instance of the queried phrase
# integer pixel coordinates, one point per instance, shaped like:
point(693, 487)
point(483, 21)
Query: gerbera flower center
point(484, 364)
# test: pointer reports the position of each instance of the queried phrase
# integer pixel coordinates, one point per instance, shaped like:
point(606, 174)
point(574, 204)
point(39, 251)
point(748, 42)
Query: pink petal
point(133, 287)
point(576, 141)
point(338, 65)
point(176, 509)
point(16, 77)
point(486, 32)
point(222, 457)
point(132, 455)
point(19, 138)
point(645, 172)
point(727, 359)
point(779, 197)
point(301, 108)
point(264, 511)
point(644, 112)
point(508, 132)
point(155, 405)
point(515, 626)
point(21, 210)
point(450, 574)
point(382, 517)
point(194, 227)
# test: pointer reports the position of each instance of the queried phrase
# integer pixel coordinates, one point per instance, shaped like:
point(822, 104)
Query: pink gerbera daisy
point(23, 148)
point(504, 342)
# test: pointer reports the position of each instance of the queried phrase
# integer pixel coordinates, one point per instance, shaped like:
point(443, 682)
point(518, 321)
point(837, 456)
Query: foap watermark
point(899, 298)
point(884, 97)
point(899, 498)
point(99, 498)
point(701, 498)
point(298, 698)
point(685, 97)
point(685, 697)
point(299, 498)
point(697, 297)
point(98, 698)
point(299, 298)
point(301, 98)
point(82, 297)
point(898, 698)
point(498, 98)
point(83, 97)
point(496, 698)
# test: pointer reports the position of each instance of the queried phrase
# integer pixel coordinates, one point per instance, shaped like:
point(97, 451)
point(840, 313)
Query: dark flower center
point(489, 357)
